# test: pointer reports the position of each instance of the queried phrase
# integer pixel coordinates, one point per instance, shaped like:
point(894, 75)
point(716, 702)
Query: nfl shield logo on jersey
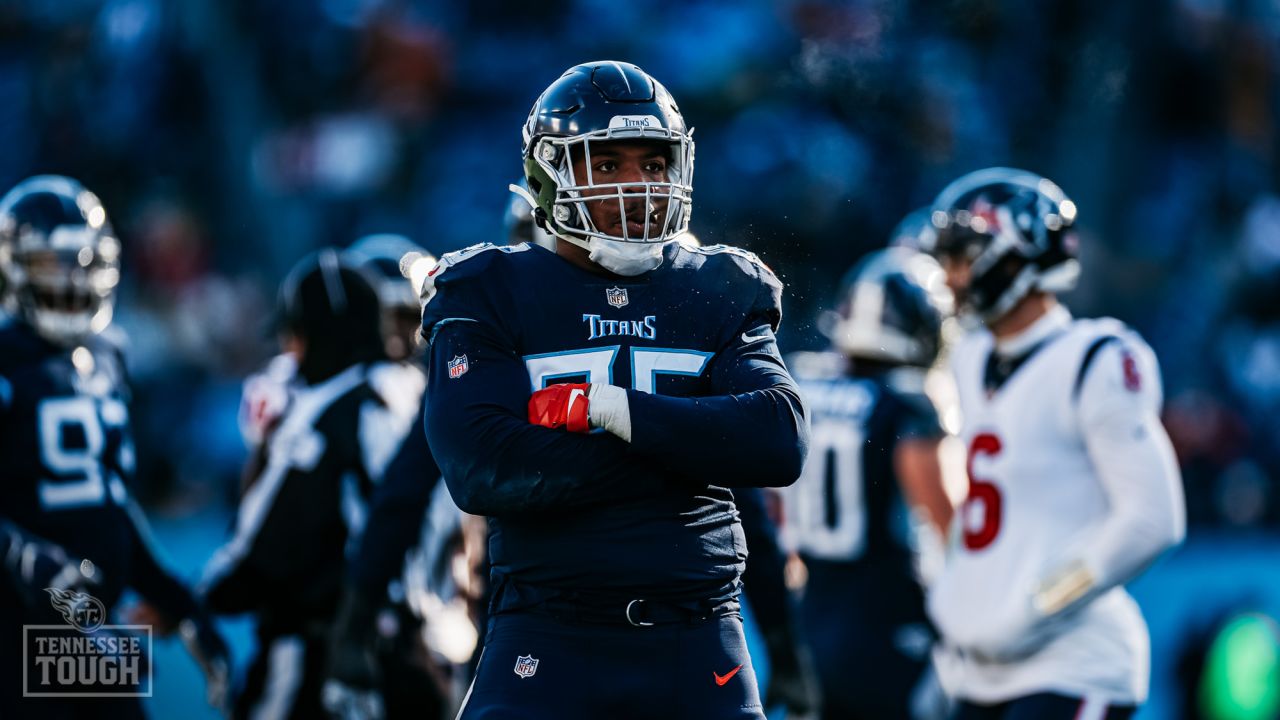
point(526, 666)
point(617, 297)
point(457, 367)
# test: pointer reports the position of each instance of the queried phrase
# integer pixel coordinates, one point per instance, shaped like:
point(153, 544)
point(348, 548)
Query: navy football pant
point(697, 670)
point(1044, 706)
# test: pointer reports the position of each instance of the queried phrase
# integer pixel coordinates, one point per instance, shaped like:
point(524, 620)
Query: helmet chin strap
point(533, 205)
point(613, 255)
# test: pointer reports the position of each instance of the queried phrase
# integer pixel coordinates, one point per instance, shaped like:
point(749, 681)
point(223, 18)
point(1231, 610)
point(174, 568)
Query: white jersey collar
point(1057, 319)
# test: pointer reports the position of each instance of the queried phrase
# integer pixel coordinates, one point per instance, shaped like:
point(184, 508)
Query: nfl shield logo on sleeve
point(526, 666)
point(457, 367)
point(617, 297)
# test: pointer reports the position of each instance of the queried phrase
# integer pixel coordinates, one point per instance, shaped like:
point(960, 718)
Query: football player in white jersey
point(1073, 484)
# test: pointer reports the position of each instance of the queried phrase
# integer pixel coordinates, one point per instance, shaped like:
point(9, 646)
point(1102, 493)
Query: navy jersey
point(712, 407)
point(848, 505)
point(65, 457)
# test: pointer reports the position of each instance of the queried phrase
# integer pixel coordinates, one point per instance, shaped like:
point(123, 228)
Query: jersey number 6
point(983, 497)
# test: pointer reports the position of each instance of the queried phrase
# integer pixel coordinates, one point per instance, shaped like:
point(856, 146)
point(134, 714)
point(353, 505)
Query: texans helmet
point(891, 308)
point(59, 258)
point(1015, 229)
point(599, 102)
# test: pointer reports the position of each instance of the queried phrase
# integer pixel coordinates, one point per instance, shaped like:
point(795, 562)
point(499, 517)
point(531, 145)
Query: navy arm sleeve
point(396, 513)
point(752, 429)
point(494, 461)
point(754, 434)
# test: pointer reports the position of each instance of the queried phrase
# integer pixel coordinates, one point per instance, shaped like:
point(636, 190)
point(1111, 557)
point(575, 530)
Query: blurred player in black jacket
point(305, 505)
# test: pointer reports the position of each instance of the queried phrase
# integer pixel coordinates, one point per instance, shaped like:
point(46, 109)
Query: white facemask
point(626, 258)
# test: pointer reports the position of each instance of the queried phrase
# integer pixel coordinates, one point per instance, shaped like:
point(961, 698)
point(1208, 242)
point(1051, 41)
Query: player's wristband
point(1063, 587)
point(608, 408)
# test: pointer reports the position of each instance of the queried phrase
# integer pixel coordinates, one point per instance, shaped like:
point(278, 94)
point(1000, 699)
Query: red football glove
point(561, 405)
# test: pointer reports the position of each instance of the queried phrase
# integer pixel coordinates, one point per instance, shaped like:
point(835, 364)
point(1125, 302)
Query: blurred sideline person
point(378, 642)
point(792, 684)
point(307, 503)
point(1073, 485)
point(266, 393)
point(67, 522)
point(872, 477)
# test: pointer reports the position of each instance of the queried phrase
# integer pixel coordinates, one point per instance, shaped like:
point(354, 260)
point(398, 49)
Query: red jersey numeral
point(981, 491)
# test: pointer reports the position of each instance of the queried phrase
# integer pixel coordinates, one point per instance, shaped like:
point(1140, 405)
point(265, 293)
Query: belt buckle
point(633, 621)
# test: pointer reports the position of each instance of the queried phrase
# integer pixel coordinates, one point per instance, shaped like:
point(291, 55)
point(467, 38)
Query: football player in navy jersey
point(873, 475)
point(597, 403)
point(67, 522)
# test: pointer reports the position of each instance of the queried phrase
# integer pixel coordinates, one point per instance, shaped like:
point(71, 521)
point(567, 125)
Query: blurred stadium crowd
point(229, 138)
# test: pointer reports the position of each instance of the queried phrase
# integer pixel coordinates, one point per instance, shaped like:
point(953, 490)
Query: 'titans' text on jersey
point(650, 518)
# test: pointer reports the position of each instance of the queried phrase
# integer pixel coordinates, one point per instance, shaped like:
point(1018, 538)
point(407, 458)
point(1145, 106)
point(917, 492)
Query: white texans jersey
point(1036, 497)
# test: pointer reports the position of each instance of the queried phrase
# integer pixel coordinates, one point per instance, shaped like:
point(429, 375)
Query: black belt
point(637, 612)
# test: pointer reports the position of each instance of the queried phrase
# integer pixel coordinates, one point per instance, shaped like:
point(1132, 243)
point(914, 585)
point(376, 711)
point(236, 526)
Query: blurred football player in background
point(616, 554)
point(378, 640)
point(307, 504)
point(792, 684)
point(872, 479)
point(1073, 485)
point(67, 521)
point(379, 257)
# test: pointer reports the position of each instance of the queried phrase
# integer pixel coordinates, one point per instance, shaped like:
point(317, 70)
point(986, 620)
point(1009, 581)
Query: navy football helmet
point(59, 258)
point(915, 231)
point(1015, 229)
point(891, 308)
point(380, 257)
point(599, 102)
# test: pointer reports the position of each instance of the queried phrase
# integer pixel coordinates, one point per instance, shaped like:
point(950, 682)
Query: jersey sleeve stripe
point(1089, 356)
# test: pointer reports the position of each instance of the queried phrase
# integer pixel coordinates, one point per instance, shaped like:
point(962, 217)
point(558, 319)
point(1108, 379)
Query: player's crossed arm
point(753, 433)
point(494, 460)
